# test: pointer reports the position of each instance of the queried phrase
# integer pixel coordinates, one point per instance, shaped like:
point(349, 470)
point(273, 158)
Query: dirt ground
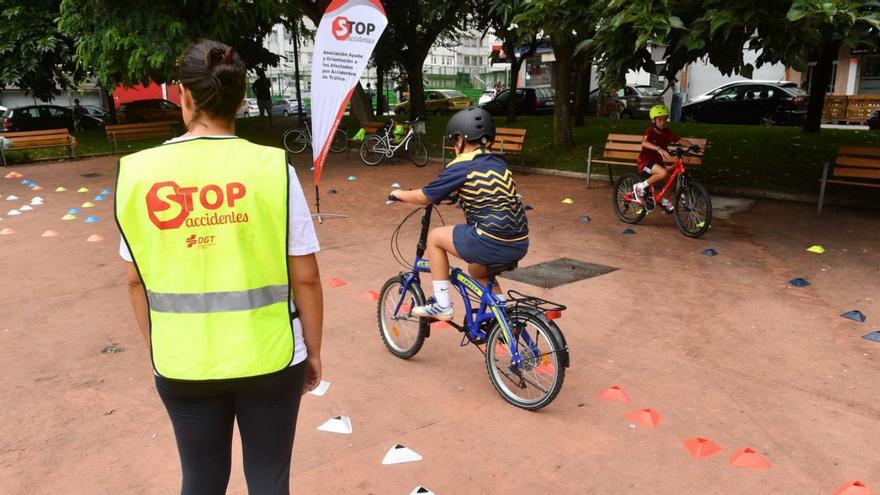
point(723, 347)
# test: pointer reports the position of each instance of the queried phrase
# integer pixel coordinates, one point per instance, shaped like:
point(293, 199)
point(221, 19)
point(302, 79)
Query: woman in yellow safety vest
point(218, 238)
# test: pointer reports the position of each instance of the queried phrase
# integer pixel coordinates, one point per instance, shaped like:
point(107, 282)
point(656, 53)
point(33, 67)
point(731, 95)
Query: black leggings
point(202, 414)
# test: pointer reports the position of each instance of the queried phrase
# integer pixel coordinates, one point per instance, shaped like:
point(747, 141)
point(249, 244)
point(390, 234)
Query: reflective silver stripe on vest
point(215, 302)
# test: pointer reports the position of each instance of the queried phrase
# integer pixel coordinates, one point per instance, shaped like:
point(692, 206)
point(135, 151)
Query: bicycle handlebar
point(691, 150)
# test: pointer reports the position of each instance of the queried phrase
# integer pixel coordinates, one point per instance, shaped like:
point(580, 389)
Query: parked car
point(709, 94)
point(873, 120)
point(529, 101)
point(43, 117)
point(248, 108)
point(287, 107)
point(152, 110)
point(756, 103)
point(96, 112)
point(635, 101)
point(438, 101)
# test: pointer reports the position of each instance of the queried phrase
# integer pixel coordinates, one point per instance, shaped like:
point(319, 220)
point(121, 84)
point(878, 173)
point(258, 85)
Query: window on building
point(809, 76)
point(433, 60)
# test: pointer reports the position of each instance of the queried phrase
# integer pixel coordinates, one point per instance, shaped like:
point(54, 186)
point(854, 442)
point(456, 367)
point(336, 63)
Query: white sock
point(441, 293)
point(642, 185)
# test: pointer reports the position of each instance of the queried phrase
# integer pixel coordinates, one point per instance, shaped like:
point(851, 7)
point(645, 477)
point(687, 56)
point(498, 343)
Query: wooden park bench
point(508, 141)
point(52, 138)
point(854, 166)
point(622, 150)
point(137, 132)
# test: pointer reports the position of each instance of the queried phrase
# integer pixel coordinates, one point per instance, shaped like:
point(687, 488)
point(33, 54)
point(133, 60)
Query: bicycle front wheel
point(372, 150)
point(627, 208)
point(340, 141)
point(418, 153)
point(693, 210)
point(538, 379)
point(295, 140)
point(402, 333)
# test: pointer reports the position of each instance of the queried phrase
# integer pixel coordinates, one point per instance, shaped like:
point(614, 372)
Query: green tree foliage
point(518, 44)
point(785, 31)
point(131, 41)
point(565, 23)
point(413, 28)
point(34, 55)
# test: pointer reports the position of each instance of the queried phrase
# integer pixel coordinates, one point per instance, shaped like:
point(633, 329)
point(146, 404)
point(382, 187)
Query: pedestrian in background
point(262, 89)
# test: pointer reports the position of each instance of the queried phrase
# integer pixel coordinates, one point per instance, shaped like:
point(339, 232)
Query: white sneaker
point(433, 310)
point(643, 195)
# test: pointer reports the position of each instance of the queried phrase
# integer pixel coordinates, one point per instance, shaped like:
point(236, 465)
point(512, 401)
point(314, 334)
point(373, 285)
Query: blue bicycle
point(526, 354)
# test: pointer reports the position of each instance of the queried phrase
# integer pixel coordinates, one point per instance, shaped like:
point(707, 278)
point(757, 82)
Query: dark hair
point(215, 75)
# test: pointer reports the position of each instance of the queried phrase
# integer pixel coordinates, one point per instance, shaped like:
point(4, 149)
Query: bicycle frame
point(674, 172)
point(391, 149)
point(491, 306)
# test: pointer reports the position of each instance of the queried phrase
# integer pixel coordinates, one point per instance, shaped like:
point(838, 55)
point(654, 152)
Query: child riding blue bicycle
point(496, 231)
point(526, 353)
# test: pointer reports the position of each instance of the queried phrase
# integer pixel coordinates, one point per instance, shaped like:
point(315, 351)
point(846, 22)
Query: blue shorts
point(474, 247)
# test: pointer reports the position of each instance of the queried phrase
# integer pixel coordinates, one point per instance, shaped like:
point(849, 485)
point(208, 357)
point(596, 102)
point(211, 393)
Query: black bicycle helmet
point(473, 124)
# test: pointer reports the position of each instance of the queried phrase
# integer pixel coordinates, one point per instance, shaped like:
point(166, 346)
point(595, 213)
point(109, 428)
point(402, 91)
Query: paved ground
point(723, 347)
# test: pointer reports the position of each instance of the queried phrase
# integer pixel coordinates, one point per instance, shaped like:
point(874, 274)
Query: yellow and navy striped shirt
point(487, 193)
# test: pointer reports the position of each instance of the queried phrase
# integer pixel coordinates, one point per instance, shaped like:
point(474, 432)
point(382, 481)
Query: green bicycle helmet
point(659, 110)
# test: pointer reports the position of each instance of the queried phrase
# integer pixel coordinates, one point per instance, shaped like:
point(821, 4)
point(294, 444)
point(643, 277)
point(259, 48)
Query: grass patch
point(781, 159)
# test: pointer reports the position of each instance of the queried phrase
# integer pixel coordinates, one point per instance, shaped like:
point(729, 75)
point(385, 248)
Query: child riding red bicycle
point(655, 144)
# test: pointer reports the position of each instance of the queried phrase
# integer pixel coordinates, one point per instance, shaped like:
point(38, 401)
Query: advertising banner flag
point(345, 39)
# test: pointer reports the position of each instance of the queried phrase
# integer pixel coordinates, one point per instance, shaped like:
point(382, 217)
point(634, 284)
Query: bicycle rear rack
point(550, 309)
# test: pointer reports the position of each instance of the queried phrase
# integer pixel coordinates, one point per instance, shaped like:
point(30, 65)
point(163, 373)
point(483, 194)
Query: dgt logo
point(164, 196)
point(200, 241)
point(342, 28)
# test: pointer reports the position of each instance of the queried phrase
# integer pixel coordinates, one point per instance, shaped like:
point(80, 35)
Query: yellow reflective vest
point(206, 223)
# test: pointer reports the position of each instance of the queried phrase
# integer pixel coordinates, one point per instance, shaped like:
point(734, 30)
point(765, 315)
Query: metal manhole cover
point(554, 273)
point(90, 175)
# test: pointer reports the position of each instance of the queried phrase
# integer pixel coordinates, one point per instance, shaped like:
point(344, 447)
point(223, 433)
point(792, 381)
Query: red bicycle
point(693, 206)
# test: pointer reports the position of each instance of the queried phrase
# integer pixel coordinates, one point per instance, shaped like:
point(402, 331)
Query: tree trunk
point(563, 49)
point(360, 105)
point(512, 100)
point(111, 104)
point(380, 88)
point(582, 90)
point(416, 88)
point(819, 86)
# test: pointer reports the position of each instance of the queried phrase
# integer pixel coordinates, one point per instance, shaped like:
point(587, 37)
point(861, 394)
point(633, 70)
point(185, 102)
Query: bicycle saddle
point(500, 268)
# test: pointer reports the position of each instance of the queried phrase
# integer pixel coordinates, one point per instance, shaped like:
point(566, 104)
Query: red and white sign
point(345, 39)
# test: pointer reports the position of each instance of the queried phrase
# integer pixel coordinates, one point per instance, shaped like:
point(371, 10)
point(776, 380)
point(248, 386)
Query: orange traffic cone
point(646, 417)
point(701, 448)
point(853, 488)
point(95, 238)
point(614, 394)
point(337, 282)
point(49, 233)
point(370, 295)
point(748, 458)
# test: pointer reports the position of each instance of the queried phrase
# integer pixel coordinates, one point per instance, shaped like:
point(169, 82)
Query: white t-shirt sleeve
point(301, 237)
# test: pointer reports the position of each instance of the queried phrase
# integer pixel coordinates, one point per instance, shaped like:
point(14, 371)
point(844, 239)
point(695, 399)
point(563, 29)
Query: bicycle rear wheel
point(372, 150)
point(628, 209)
point(402, 333)
point(539, 379)
point(340, 141)
point(693, 210)
point(418, 153)
point(295, 140)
